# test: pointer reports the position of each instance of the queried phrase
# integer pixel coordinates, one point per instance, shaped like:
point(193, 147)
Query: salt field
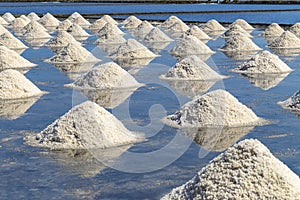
point(93, 106)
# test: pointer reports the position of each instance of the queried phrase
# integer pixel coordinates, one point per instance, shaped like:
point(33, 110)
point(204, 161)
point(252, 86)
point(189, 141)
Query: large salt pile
point(3, 21)
point(98, 24)
point(64, 25)
point(77, 31)
point(106, 76)
point(295, 29)
point(156, 35)
point(292, 103)
point(264, 62)
point(216, 108)
point(14, 85)
point(109, 29)
point(8, 17)
point(10, 59)
point(85, 126)
point(18, 24)
point(62, 39)
point(49, 20)
point(109, 19)
point(192, 68)
point(239, 43)
point(242, 23)
point(273, 30)
point(33, 16)
point(247, 170)
point(198, 33)
point(285, 40)
point(35, 30)
point(212, 26)
point(143, 29)
point(190, 45)
point(236, 30)
point(76, 18)
point(131, 22)
point(11, 42)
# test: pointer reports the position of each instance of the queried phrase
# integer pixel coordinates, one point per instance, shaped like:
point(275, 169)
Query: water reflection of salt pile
point(239, 55)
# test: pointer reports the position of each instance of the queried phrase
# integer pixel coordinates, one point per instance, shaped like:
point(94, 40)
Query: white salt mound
point(62, 39)
point(235, 30)
point(11, 42)
point(25, 18)
point(109, 29)
point(212, 25)
point(33, 16)
point(198, 33)
point(106, 76)
point(64, 25)
point(264, 62)
point(3, 21)
point(18, 23)
point(156, 35)
point(295, 29)
point(86, 126)
point(273, 30)
point(143, 29)
point(239, 43)
point(286, 40)
point(49, 20)
point(10, 59)
point(131, 22)
point(171, 21)
point(242, 23)
point(192, 68)
point(14, 85)
point(77, 31)
point(76, 18)
point(178, 27)
point(98, 24)
point(216, 108)
point(110, 39)
point(3, 30)
point(109, 19)
point(35, 26)
point(35, 30)
point(292, 103)
point(247, 170)
point(8, 17)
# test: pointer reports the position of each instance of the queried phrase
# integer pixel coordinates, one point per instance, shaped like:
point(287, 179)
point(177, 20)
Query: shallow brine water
point(167, 159)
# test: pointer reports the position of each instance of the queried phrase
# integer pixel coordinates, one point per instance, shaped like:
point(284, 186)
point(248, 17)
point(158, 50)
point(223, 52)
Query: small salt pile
point(10, 59)
point(212, 26)
point(14, 85)
point(247, 170)
point(3, 21)
point(8, 17)
point(216, 108)
point(77, 31)
point(62, 39)
point(76, 18)
point(11, 42)
point(178, 27)
point(105, 77)
point(292, 103)
point(190, 45)
point(264, 62)
point(110, 39)
point(35, 30)
point(286, 40)
point(198, 33)
point(64, 25)
point(235, 30)
point(18, 24)
point(295, 29)
point(156, 35)
point(239, 43)
point(273, 30)
point(109, 19)
point(131, 22)
point(242, 23)
point(143, 29)
point(85, 126)
point(3, 30)
point(171, 21)
point(191, 68)
point(33, 16)
point(25, 18)
point(49, 20)
point(109, 29)
point(98, 24)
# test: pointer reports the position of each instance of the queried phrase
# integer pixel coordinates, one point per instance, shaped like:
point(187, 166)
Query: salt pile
point(85, 126)
point(131, 22)
point(25, 18)
point(198, 33)
point(242, 23)
point(292, 103)
point(212, 25)
point(190, 45)
point(77, 31)
point(35, 30)
point(3, 22)
point(62, 39)
point(178, 27)
point(264, 62)
point(109, 19)
point(106, 76)
point(192, 68)
point(133, 49)
point(33, 16)
point(295, 29)
point(239, 43)
point(10, 59)
point(11, 42)
point(76, 18)
point(236, 30)
point(98, 24)
point(273, 30)
point(247, 170)
point(143, 29)
point(8, 17)
point(286, 40)
point(216, 108)
point(49, 20)
point(3, 30)
point(156, 35)
point(109, 29)
point(64, 25)
point(18, 24)
point(171, 21)
point(110, 39)
point(14, 85)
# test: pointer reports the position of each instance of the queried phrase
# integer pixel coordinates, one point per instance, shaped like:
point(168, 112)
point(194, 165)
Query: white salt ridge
point(247, 170)
point(192, 68)
point(62, 39)
point(239, 43)
point(106, 77)
point(236, 30)
point(98, 24)
point(178, 27)
point(8, 17)
point(33, 16)
point(110, 39)
point(212, 25)
point(86, 126)
point(242, 23)
point(273, 30)
point(77, 31)
point(190, 45)
point(18, 24)
point(131, 22)
point(143, 29)
point(11, 42)
point(292, 103)
point(109, 19)
point(10, 59)
point(156, 35)
point(76, 18)
point(133, 49)
point(216, 108)
point(198, 33)
point(286, 40)
point(64, 25)
point(49, 20)
point(295, 29)
point(14, 85)
point(3, 21)
point(171, 21)
point(264, 62)
point(109, 29)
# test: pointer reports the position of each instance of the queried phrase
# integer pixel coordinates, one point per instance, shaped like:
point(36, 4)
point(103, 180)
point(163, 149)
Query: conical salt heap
point(109, 29)
point(3, 22)
point(286, 40)
point(235, 30)
point(33, 16)
point(192, 68)
point(11, 42)
point(216, 108)
point(264, 62)
point(178, 27)
point(62, 39)
point(3, 30)
point(8, 17)
point(18, 24)
point(171, 21)
point(106, 77)
point(133, 49)
point(273, 30)
point(212, 25)
point(198, 33)
point(64, 25)
point(292, 103)
point(35, 30)
point(131, 22)
point(110, 38)
point(156, 35)
point(14, 85)
point(190, 45)
point(143, 29)
point(242, 23)
point(77, 31)
point(239, 43)
point(25, 18)
point(98, 24)
point(10, 59)
point(247, 170)
point(295, 29)
point(109, 19)
point(85, 126)
point(76, 18)
point(49, 20)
